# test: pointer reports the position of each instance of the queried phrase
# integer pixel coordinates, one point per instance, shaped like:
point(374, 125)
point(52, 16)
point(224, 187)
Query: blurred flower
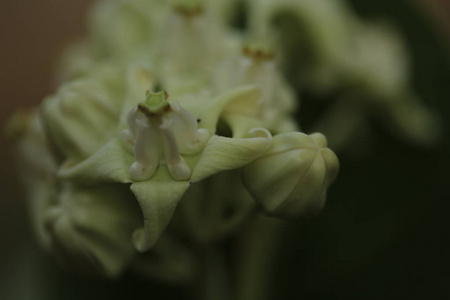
point(365, 63)
point(160, 190)
point(110, 149)
point(89, 228)
point(36, 165)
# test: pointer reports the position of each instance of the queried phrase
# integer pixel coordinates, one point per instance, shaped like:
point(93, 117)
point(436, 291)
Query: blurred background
point(384, 233)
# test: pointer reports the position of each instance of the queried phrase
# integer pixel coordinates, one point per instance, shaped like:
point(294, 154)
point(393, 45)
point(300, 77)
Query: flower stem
point(258, 252)
point(213, 282)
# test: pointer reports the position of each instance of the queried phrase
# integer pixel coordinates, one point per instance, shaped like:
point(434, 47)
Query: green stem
point(259, 246)
point(213, 282)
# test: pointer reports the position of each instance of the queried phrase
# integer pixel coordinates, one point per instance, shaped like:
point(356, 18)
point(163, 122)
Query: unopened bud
point(90, 228)
point(291, 178)
point(80, 118)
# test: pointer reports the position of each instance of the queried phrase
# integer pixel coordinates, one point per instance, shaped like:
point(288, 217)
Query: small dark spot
point(240, 16)
point(223, 129)
point(228, 212)
point(199, 120)
point(158, 86)
point(189, 12)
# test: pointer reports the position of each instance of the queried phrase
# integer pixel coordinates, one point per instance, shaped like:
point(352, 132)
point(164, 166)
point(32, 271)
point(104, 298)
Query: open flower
point(161, 172)
point(254, 63)
point(160, 132)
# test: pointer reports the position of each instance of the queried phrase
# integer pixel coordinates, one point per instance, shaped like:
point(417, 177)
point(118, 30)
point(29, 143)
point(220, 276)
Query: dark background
point(384, 233)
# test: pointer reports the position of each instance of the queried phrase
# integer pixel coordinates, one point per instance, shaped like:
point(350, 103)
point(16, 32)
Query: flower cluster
point(169, 122)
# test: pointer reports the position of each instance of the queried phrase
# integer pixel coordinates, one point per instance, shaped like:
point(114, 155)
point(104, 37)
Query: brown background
point(32, 33)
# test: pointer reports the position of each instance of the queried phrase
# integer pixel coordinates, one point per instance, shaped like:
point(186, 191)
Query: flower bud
point(291, 178)
point(90, 228)
point(36, 166)
point(80, 118)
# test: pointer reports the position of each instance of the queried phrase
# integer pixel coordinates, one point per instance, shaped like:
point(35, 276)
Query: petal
point(210, 111)
point(222, 153)
point(109, 164)
point(158, 200)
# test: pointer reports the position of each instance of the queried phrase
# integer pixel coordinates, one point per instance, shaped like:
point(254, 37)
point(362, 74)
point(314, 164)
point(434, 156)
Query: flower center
point(159, 132)
point(258, 54)
point(189, 8)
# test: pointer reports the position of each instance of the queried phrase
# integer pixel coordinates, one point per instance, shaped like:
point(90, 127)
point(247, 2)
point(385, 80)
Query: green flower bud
point(90, 228)
point(80, 118)
point(36, 166)
point(291, 178)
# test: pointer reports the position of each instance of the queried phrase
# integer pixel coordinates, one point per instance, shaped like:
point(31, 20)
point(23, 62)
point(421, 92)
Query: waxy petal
point(158, 200)
point(222, 153)
point(107, 165)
